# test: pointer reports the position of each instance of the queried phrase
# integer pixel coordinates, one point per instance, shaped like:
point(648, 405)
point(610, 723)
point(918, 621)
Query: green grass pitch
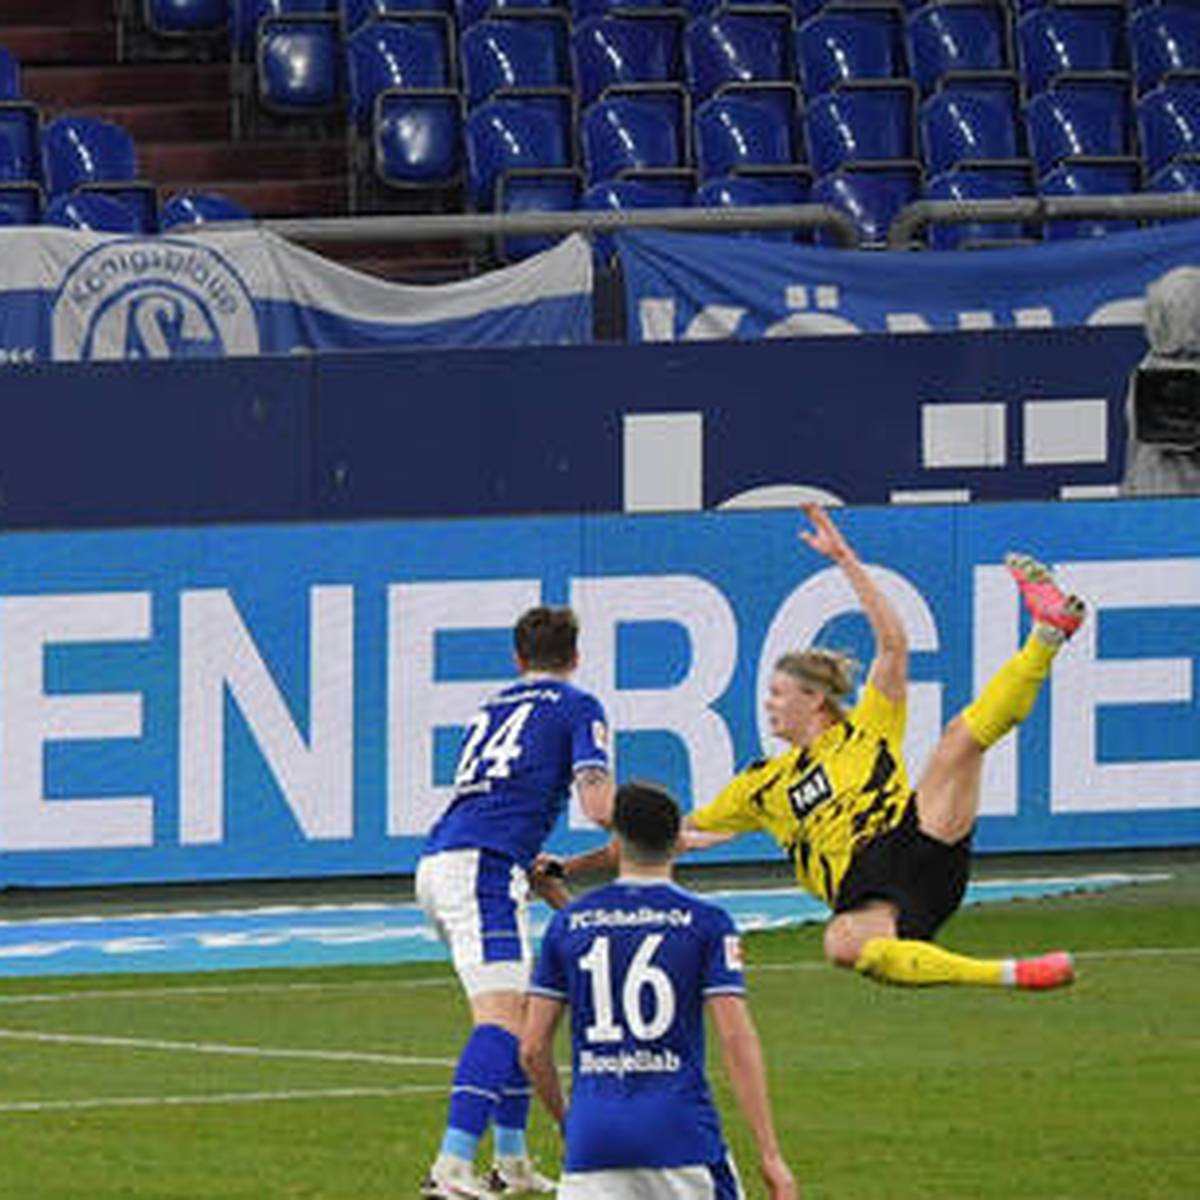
point(331, 1084)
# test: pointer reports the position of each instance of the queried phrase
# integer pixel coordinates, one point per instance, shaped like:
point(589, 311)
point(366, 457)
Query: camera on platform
point(1166, 403)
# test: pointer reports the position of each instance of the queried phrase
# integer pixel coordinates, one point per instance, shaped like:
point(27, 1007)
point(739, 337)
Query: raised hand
point(824, 537)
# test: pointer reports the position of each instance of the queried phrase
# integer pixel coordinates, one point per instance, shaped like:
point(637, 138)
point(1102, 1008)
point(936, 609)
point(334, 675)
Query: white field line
point(132, 1043)
point(229, 989)
point(352, 1056)
point(92, 1102)
point(448, 980)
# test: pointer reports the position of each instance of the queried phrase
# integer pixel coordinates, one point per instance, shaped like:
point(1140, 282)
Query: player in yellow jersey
point(892, 862)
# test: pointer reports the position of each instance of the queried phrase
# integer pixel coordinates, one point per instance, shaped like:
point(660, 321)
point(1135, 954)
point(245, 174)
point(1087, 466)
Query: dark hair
point(647, 819)
point(545, 638)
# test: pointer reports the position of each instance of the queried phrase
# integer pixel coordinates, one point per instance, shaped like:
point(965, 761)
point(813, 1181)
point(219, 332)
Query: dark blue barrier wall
point(157, 443)
point(995, 415)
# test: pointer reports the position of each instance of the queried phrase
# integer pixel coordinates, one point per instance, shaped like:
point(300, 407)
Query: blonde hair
point(830, 672)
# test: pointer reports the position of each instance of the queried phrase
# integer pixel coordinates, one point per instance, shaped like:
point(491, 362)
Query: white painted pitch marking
point(132, 1043)
point(94, 1102)
point(228, 989)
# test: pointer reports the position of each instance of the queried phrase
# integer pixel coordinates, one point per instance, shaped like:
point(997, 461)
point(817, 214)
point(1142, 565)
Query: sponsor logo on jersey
point(809, 791)
point(733, 952)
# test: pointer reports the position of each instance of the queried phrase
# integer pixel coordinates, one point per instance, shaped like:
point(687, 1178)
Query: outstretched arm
point(889, 671)
point(742, 1054)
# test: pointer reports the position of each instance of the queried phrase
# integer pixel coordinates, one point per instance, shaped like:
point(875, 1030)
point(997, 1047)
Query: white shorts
point(718, 1181)
point(477, 901)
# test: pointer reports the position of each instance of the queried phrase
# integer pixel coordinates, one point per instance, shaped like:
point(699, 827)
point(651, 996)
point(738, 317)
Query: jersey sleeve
point(589, 734)
point(730, 810)
point(549, 973)
point(876, 712)
point(723, 967)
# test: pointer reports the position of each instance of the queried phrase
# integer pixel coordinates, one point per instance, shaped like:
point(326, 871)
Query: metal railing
point(504, 225)
point(911, 220)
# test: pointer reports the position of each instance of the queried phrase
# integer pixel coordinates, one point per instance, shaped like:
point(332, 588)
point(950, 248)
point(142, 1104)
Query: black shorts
point(924, 878)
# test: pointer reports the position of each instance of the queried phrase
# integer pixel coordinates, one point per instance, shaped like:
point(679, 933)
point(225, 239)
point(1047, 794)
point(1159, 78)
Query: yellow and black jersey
point(822, 802)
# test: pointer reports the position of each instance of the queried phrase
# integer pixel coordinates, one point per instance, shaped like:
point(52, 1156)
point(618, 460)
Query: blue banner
point(700, 287)
point(287, 701)
point(71, 295)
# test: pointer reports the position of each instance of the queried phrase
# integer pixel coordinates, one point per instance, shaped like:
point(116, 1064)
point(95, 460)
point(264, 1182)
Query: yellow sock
point(903, 960)
point(1009, 695)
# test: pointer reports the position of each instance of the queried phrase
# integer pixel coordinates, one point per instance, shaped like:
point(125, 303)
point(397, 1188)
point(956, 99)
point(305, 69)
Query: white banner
point(71, 295)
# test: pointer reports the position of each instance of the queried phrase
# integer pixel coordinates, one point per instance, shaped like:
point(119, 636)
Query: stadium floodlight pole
point(502, 225)
point(912, 219)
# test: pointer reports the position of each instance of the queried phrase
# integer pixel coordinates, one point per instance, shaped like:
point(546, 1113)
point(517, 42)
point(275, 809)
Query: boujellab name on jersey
point(630, 1062)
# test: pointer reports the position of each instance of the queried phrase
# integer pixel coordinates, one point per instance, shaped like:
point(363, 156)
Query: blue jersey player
point(521, 753)
point(638, 963)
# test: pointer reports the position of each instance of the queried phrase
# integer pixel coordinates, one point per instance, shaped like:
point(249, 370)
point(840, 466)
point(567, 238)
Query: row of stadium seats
point(110, 212)
point(303, 60)
point(53, 173)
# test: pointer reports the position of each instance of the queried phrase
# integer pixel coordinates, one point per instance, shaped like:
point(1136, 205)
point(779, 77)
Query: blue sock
point(512, 1115)
point(484, 1068)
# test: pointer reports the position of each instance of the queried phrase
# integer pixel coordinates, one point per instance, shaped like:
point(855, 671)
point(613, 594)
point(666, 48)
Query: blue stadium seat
point(1079, 119)
point(978, 184)
point(1163, 39)
point(173, 18)
point(20, 135)
point(851, 43)
point(736, 134)
point(738, 191)
point(615, 51)
point(19, 123)
point(85, 152)
point(498, 55)
point(1182, 176)
point(300, 64)
point(1064, 38)
point(20, 196)
point(418, 137)
point(531, 192)
point(950, 38)
point(1089, 179)
point(860, 123)
point(623, 134)
point(870, 194)
point(586, 10)
point(1168, 121)
point(413, 53)
point(10, 76)
point(659, 192)
point(20, 204)
point(968, 125)
point(200, 208)
point(246, 16)
point(470, 11)
point(357, 13)
point(514, 133)
point(89, 210)
point(732, 48)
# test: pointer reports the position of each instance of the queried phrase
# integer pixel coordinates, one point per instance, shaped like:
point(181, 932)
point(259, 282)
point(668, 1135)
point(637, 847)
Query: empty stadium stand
point(276, 108)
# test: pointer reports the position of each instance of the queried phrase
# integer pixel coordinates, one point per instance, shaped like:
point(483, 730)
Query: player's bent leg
point(847, 933)
point(948, 792)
